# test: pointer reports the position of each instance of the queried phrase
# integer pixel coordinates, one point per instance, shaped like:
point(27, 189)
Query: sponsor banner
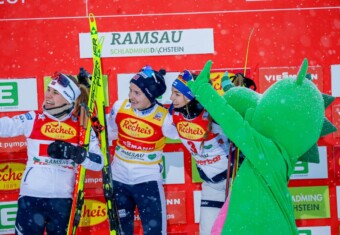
point(173, 168)
point(336, 119)
point(335, 79)
point(94, 179)
point(311, 202)
point(150, 43)
point(317, 230)
point(8, 213)
point(306, 170)
point(336, 154)
point(176, 207)
point(13, 144)
point(93, 213)
point(10, 176)
point(14, 96)
point(268, 76)
point(216, 77)
point(197, 205)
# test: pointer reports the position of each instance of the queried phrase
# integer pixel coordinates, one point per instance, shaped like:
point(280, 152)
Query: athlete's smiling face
point(53, 98)
point(137, 98)
point(177, 98)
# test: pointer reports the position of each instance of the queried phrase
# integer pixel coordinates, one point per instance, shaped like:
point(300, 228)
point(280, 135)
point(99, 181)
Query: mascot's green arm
point(231, 122)
point(250, 143)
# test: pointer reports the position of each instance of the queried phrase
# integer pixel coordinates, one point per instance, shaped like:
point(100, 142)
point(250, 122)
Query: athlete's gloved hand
point(63, 150)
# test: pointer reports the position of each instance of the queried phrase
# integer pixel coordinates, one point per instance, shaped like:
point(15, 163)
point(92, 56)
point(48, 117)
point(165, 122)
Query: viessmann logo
point(190, 130)
point(10, 175)
point(57, 130)
point(93, 213)
point(136, 128)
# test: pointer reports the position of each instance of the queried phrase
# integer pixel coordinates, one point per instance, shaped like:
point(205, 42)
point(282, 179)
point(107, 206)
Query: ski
point(85, 130)
point(97, 77)
point(78, 192)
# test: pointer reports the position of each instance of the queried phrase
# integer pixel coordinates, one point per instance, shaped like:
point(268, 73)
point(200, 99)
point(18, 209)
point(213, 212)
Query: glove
point(226, 83)
point(63, 150)
point(83, 77)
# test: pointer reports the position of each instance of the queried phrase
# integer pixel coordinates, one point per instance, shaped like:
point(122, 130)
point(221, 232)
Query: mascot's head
point(290, 112)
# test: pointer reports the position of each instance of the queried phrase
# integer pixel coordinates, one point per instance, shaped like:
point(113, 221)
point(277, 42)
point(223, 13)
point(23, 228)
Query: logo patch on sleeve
point(28, 116)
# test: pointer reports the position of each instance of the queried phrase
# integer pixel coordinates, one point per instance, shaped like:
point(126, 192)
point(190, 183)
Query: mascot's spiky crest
point(273, 131)
point(312, 155)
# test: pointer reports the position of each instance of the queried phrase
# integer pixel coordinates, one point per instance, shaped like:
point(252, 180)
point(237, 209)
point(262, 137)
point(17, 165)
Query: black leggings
point(37, 214)
point(149, 198)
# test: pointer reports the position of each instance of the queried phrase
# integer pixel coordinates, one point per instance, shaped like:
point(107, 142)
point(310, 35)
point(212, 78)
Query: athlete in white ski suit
point(47, 184)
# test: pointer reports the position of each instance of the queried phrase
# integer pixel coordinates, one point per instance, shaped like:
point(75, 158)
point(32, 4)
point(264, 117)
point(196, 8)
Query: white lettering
point(307, 198)
point(173, 201)
point(278, 77)
point(14, 144)
point(11, 1)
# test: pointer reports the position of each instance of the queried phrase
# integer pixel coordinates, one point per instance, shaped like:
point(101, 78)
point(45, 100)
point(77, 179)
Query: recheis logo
point(9, 94)
point(58, 130)
point(136, 128)
point(10, 175)
point(190, 130)
point(93, 213)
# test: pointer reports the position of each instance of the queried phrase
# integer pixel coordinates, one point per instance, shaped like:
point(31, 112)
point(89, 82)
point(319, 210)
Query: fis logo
point(9, 94)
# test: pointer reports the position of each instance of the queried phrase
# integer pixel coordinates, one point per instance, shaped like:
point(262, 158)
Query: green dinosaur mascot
point(273, 131)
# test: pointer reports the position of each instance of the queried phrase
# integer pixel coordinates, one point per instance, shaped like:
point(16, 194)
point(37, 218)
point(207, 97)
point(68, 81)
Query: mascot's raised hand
point(202, 79)
point(273, 130)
